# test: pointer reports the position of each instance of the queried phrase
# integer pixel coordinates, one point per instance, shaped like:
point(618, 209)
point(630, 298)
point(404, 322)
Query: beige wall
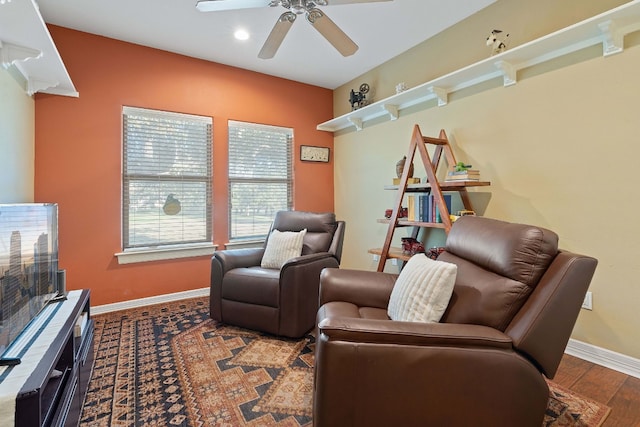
point(554, 146)
point(16, 139)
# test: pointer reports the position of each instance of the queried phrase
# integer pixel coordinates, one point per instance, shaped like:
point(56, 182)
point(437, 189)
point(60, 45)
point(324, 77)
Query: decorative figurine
point(359, 99)
point(411, 246)
point(400, 167)
point(496, 44)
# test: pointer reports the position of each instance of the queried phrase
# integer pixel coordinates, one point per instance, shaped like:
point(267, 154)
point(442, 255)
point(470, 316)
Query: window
point(167, 178)
point(260, 177)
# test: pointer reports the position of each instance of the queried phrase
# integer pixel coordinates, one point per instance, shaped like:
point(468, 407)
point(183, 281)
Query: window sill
point(243, 244)
point(182, 251)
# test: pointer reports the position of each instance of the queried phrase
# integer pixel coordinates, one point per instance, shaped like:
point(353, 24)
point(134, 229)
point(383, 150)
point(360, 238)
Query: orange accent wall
point(78, 151)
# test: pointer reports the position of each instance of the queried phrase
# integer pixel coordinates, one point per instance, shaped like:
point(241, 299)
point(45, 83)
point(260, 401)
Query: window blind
point(260, 177)
point(167, 178)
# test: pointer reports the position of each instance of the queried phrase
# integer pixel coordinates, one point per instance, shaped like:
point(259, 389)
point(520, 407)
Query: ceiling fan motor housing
point(299, 6)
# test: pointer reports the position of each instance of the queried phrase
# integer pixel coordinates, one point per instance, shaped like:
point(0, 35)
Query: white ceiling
point(381, 29)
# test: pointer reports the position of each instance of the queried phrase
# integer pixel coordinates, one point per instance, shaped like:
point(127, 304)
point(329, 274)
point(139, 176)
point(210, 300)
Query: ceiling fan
point(321, 22)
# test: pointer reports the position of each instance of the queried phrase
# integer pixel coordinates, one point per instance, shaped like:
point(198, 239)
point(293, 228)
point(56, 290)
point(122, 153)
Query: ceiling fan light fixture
point(241, 34)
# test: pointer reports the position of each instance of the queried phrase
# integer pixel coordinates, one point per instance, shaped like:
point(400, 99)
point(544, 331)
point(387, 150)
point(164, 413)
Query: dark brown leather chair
point(281, 302)
point(515, 302)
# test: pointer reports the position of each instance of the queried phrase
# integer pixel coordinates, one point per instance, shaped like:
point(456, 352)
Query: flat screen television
point(28, 265)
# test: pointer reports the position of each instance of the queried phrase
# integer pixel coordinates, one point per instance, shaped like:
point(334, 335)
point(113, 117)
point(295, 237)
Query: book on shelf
point(411, 211)
point(425, 208)
point(435, 214)
point(468, 172)
point(467, 175)
point(418, 206)
point(463, 178)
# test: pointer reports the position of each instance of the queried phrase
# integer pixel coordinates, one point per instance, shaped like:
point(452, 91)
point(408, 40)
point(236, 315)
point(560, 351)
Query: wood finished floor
point(619, 391)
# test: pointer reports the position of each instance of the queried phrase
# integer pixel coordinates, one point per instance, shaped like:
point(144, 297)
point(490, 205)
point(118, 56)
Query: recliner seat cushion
point(253, 285)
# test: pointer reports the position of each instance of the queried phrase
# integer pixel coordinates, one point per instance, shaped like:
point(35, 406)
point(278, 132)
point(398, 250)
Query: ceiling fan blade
point(332, 32)
point(277, 35)
point(217, 5)
point(336, 2)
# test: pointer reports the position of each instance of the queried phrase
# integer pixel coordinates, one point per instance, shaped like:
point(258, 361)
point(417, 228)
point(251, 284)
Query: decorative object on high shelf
point(172, 205)
point(497, 42)
point(462, 172)
point(310, 153)
point(359, 99)
point(401, 87)
point(400, 165)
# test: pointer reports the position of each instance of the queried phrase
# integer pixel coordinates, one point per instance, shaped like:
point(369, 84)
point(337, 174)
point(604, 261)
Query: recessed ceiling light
point(241, 34)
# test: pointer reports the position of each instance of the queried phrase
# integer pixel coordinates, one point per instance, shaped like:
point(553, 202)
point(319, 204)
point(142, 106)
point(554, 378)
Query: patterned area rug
point(171, 365)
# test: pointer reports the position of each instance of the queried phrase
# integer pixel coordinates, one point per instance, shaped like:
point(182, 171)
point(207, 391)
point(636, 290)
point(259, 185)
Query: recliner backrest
point(321, 228)
point(499, 265)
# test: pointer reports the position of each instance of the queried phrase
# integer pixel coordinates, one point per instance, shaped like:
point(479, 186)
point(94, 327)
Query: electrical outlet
point(587, 304)
point(394, 261)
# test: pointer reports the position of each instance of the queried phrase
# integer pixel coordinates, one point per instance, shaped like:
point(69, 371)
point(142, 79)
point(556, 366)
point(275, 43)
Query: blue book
point(425, 208)
point(447, 201)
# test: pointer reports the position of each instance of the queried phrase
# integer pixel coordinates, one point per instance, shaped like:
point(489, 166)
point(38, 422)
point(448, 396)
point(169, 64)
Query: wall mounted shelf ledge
point(607, 29)
point(27, 46)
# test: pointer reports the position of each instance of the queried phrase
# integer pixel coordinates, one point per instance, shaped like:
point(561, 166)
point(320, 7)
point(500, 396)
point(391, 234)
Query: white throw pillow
point(281, 247)
point(423, 290)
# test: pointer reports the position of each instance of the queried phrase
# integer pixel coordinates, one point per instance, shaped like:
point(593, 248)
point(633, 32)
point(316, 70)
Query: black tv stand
point(57, 377)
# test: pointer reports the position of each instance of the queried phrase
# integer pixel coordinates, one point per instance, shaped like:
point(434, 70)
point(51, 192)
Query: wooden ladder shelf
point(419, 144)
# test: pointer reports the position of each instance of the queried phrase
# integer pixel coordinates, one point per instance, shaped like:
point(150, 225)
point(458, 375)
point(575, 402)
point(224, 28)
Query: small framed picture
point(310, 153)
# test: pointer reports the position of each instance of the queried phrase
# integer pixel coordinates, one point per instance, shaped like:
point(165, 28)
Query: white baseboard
point(603, 357)
point(141, 302)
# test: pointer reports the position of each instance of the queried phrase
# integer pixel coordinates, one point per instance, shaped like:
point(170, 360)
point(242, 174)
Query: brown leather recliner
point(514, 305)
point(281, 302)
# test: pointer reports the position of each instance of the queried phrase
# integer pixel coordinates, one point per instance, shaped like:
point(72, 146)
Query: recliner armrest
point(238, 258)
point(359, 287)
point(306, 259)
point(375, 331)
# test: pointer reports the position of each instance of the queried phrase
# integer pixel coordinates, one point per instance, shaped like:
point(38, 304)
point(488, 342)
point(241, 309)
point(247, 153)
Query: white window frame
point(183, 246)
point(252, 173)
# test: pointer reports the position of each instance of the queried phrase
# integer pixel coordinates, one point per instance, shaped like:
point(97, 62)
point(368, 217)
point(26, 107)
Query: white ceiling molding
point(25, 43)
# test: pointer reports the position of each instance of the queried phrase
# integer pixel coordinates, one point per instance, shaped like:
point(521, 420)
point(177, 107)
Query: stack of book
point(465, 175)
point(423, 208)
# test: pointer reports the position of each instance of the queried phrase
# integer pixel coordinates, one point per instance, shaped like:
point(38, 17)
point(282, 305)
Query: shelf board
point(607, 29)
point(407, 223)
point(444, 186)
point(393, 253)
